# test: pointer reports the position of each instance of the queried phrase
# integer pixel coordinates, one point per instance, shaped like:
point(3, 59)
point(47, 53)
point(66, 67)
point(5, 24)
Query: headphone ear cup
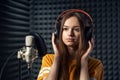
point(88, 33)
point(57, 31)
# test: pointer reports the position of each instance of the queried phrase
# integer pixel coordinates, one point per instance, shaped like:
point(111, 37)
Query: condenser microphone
point(29, 53)
point(29, 44)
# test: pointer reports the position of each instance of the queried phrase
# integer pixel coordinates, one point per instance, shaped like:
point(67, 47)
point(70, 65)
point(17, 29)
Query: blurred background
point(19, 17)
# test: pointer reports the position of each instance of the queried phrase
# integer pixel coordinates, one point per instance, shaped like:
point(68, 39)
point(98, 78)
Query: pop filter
point(40, 44)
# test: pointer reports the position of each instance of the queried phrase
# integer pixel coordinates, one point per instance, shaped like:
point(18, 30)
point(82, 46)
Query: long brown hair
point(83, 45)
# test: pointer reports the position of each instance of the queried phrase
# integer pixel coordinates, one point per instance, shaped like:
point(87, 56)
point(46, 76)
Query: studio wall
point(19, 17)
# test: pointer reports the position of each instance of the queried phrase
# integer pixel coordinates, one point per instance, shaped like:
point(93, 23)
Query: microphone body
point(28, 53)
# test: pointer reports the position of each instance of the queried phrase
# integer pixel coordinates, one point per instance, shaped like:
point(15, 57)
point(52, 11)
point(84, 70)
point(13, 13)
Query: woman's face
point(71, 32)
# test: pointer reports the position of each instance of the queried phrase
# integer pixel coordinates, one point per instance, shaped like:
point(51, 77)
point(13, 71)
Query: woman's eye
point(65, 28)
point(77, 29)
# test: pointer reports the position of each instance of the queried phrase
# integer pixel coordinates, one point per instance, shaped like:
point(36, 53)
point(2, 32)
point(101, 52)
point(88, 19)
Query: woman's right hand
point(55, 45)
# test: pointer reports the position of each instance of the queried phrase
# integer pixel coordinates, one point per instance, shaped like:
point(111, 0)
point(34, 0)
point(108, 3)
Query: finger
point(53, 39)
point(55, 47)
point(89, 49)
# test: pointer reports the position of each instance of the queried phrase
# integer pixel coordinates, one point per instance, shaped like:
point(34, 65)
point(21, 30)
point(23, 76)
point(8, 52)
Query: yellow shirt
point(95, 68)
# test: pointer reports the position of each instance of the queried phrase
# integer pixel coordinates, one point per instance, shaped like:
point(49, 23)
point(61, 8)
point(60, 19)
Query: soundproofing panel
point(105, 14)
point(19, 17)
point(14, 25)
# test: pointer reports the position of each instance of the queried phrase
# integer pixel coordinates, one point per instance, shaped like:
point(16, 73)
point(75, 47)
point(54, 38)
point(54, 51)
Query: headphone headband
point(74, 10)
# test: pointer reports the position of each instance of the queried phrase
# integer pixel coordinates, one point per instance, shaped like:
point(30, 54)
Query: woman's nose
point(70, 32)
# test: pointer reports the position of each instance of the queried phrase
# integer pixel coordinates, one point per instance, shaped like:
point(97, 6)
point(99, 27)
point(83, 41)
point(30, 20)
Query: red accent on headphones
point(74, 10)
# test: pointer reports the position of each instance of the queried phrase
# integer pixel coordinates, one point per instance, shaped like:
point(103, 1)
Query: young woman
point(71, 59)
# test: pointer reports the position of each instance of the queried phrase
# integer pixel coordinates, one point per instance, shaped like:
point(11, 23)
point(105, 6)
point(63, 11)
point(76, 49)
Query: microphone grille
point(29, 40)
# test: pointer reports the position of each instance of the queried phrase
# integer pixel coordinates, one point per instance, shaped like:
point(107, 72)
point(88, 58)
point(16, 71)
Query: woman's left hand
point(86, 55)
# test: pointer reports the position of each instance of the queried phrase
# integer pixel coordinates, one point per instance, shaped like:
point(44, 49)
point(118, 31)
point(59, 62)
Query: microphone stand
point(20, 70)
point(30, 67)
point(30, 73)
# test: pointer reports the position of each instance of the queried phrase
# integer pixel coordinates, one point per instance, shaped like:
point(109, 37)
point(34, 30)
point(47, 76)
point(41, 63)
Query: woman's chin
point(70, 45)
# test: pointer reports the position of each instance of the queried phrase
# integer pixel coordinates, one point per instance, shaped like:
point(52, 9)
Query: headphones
point(88, 29)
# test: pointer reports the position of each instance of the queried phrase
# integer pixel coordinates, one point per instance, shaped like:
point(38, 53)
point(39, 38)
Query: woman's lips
point(70, 39)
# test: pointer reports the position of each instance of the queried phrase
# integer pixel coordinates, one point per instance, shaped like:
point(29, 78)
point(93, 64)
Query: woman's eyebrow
point(74, 26)
point(65, 26)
